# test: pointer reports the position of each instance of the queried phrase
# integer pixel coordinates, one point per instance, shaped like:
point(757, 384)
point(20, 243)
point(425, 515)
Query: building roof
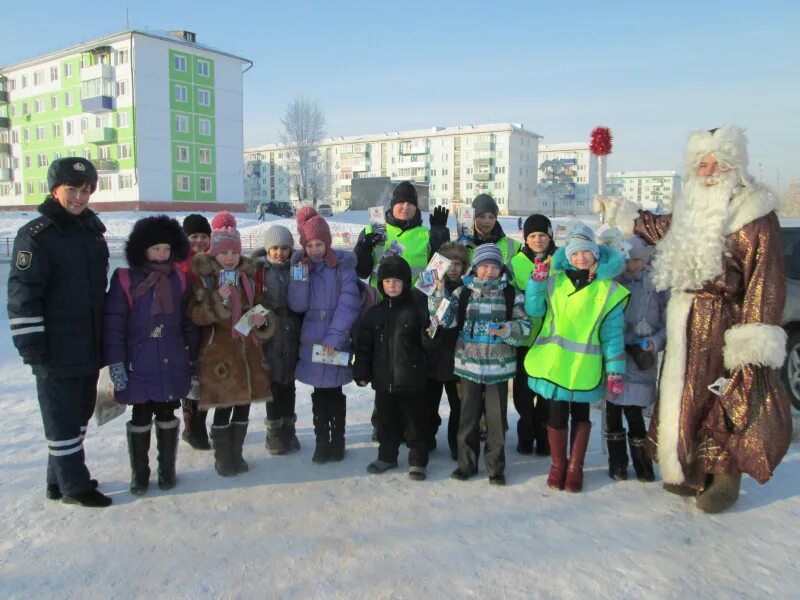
point(156, 34)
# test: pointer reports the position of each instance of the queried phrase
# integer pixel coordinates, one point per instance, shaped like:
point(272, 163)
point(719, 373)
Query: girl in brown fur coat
point(232, 371)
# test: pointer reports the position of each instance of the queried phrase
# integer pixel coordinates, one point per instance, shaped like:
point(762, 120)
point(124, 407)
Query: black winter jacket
point(56, 291)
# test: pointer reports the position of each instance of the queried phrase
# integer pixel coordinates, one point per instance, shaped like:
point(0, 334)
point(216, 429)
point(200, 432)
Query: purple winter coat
point(330, 309)
point(157, 350)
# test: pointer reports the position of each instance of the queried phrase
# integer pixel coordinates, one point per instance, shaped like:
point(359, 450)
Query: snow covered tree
point(303, 130)
point(791, 201)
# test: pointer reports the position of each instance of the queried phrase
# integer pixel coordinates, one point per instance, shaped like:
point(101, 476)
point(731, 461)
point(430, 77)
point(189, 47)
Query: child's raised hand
point(257, 320)
point(541, 269)
point(225, 291)
point(614, 386)
point(498, 329)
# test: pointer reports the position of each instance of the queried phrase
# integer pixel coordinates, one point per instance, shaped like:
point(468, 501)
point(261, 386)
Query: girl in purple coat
point(150, 343)
point(324, 288)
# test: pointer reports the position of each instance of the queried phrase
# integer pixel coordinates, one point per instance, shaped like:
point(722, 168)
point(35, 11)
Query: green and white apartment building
point(159, 115)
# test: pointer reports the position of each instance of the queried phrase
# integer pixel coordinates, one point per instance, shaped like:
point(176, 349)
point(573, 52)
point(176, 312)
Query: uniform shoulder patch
point(24, 258)
point(37, 225)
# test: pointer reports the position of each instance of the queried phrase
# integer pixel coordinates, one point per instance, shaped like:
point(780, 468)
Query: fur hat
point(455, 251)
point(728, 144)
point(158, 229)
point(278, 235)
point(394, 267)
point(537, 224)
point(72, 170)
point(487, 253)
point(581, 237)
point(224, 235)
point(195, 223)
point(484, 203)
point(311, 226)
point(405, 192)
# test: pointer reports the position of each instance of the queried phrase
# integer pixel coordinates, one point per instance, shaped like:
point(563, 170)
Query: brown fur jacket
point(232, 369)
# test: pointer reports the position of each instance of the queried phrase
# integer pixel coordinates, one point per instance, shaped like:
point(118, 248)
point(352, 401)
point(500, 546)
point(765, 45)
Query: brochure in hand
point(243, 325)
point(338, 358)
point(435, 271)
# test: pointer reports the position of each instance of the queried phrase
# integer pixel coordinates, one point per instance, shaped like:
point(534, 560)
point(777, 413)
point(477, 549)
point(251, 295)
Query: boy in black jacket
point(390, 355)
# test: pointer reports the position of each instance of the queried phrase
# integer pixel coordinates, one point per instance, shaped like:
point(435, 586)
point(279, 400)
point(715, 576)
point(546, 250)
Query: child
point(441, 361)
point(491, 318)
point(198, 230)
point(531, 426)
point(146, 326)
point(231, 371)
point(487, 230)
point(390, 355)
point(280, 351)
point(325, 290)
point(579, 350)
point(645, 337)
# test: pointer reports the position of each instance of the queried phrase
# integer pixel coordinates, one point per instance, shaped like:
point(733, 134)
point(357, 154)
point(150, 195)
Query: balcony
point(5, 123)
point(100, 135)
point(5, 175)
point(413, 164)
point(409, 149)
point(105, 164)
point(100, 71)
point(5, 148)
point(483, 146)
point(482, 176)
point(97, 104)
point(3, 97)
point(482, 163)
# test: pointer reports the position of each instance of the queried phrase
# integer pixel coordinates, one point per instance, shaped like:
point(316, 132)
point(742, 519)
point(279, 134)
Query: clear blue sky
point(652, 73)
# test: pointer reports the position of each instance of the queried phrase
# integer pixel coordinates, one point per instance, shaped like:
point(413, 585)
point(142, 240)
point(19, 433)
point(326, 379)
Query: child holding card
point(231, 371)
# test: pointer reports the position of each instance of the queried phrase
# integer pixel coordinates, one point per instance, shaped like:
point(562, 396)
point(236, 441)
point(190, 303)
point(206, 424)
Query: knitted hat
point(455, 251)
point(397, 268)
point(484, 203)
point(195, 223)
point(639, 248)
point(72, 170)
point(311, 226)
point(149, 231)
point(581, 238)
point(405, 192)
point(278, 235)
point(487, 253)
point(537, 224)
point(224, 235)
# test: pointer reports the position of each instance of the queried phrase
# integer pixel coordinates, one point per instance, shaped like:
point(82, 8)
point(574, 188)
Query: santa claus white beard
point(690, 255)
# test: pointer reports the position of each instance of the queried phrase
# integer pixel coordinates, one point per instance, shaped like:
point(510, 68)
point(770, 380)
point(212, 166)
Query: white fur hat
point(728, 144)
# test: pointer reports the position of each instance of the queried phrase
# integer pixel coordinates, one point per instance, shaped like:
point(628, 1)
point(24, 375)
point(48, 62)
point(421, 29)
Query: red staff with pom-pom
point(600, 146)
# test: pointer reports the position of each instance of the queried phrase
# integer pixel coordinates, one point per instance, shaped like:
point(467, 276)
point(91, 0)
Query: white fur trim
point(617, 212)
point(670, 396)
point(752, 202)
point(754, 344)
point(728, 144)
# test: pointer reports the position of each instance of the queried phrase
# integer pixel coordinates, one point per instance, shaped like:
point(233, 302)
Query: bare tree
point(303, 130)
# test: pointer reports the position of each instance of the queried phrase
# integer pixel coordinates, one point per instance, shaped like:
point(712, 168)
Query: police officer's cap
point(72, 170)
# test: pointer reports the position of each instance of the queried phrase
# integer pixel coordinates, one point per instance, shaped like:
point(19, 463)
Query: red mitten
point(541, 269)
point(614, 386)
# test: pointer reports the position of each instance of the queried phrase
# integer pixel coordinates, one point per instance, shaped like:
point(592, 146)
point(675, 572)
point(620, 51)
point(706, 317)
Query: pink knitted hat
point(224, 235)
point(311, 226)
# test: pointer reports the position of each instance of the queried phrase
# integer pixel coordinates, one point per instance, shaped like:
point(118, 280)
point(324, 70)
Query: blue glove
point(118, 376)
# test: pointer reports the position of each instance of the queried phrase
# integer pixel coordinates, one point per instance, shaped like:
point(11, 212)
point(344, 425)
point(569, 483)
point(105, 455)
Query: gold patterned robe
point(728, 328)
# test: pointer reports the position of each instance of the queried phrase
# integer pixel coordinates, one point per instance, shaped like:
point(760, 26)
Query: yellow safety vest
point(416, 244)
point(567, 351)
point(508, 248)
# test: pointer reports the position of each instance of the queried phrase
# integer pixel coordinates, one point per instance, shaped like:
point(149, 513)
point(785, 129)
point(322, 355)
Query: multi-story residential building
point(458, 163)
point(159, 115)
point(653, 190)
point(579, 179)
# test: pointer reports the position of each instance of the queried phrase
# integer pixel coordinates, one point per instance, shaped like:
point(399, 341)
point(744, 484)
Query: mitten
point(614, 386)
point(373, 239)
point(118, 376)
point(541, 269)
point(438, 218)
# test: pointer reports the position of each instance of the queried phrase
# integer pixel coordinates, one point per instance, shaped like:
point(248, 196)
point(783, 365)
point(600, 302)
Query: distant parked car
point(325, 210)
point(791, 312)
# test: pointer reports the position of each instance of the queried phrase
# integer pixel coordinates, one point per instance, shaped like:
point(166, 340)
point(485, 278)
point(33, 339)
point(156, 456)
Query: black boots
point(329, 425)
point(90, 498)
point(223, 459)
point(194, 425)
point(167, 445)
point(641, 462)
point(138, 448)
point(238, 433)
point(289, 433)
point(337, 420)
point(275, 442)
point(617, 455)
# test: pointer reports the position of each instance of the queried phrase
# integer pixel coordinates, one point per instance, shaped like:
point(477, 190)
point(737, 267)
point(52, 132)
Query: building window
point(12, 85)
point(41, 160)
point(84, 124)
point(123, 151)
point(179, 62)
point(202, 68)
point(182, 154)
point(183, 183)
point(53, 73)
point(42, 187)
point(67, 70)
point(182, 123)
point(104, 183)
point(69, 128)
point(104, 152)
point(26, 136)
point(204, 97)
point(205, 126)
point(87, 153)
point(29, 187)
point(38, 106)
point(122, 57)
point(40, 133)
point(122, 120)
point(125, 182)
point(56, 155)
point(68, 99)
point(38, 77)
point(205, 156)
point(122, 88)
point(56, 130)
point(53, 102)
point(205, 185)
point(23, 81)
point(180, 93)
point(15, 136)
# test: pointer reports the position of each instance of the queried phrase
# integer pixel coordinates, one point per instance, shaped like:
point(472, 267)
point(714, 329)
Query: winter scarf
point(158, 279)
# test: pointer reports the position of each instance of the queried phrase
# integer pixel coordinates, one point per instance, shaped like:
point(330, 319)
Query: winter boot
point(417, 473)
point(290, 440)
point(617, 455)
point(194, 425)
point(378, 466)
point(557, 439)
point(679, 490)
point(238, 433)
point(167, 444)
point(276, 442)
point(525, 447)
point(90, 498)
point(498, 479)
point(720, 494)
point(641, 462)
point(53, 491)
point(223, 459)
point(138, 447)
point(337, 424)
point(580, 442)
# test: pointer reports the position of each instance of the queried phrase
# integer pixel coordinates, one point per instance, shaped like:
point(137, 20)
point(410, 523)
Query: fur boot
point(617, 455)
point(167, 444)
point(720, 494)
point(275, 442)
point(641, 462)
point(138, 448)
point(223, 459)
point(238, 433)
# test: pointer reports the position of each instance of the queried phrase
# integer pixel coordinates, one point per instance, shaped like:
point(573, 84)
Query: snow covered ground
point(292, 529)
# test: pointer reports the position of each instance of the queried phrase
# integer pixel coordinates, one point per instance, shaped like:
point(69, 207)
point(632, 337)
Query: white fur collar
point(752, 202)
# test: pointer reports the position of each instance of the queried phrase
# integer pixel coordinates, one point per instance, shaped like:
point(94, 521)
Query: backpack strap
point(124, 276)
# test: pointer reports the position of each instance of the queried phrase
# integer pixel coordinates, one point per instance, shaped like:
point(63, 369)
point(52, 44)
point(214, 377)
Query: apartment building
point(653, 190)
point(158, 114)
point(578, 179)
point(457, 163)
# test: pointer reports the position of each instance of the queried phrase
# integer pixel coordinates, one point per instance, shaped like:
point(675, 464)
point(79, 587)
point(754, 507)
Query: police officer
point(56, 290)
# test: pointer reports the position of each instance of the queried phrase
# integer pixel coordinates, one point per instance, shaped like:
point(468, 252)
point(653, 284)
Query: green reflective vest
point(416, 244)
point(508, 247)
point(567, 351)
point(521, 268)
